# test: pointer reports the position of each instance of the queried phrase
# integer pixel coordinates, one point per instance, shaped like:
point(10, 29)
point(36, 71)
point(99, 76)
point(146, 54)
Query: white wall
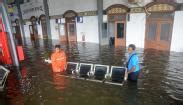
point(107, 3)
point(177, 36)
point(58, 7)
point(54, 29)
point(89, 28)
point(135, 31)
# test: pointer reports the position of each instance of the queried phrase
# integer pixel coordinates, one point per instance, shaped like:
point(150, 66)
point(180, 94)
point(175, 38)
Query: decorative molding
point(160, 7)
point(117, 9)
point(117, 17)
point(56, 16)
point(70, 14)
point(137, 10)
point(87, 13)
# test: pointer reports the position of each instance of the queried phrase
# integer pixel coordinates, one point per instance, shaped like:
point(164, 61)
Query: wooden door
point(159, 34)
point(120, 37)
point(71, 32)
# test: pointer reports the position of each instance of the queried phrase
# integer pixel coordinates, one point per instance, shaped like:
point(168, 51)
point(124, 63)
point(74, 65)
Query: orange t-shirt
point(59, 62)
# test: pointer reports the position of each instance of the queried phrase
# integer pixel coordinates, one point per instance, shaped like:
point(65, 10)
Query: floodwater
point(35, 84)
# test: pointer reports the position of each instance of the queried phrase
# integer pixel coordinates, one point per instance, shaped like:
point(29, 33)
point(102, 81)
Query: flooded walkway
point(35, 84)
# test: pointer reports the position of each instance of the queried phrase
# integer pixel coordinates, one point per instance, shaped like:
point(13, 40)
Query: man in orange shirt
point(58, 60)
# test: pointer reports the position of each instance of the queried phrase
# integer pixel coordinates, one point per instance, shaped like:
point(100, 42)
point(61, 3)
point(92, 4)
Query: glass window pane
point(165, 31)
point(120, 30)
point(152, 28)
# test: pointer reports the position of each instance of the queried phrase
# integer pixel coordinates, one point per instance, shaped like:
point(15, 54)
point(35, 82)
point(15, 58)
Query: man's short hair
point(132, 46)
point(57, 46)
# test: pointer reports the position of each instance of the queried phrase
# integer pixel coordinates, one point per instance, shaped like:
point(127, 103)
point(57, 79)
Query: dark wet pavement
point(35, 84)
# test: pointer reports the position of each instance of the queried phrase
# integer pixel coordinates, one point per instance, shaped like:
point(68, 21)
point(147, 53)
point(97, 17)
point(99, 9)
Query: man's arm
point(132, 70)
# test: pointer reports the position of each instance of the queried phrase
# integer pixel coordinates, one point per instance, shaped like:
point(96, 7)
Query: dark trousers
point(133, 76)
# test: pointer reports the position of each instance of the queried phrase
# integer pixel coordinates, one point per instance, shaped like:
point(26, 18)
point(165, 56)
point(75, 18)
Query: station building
point(153, 24)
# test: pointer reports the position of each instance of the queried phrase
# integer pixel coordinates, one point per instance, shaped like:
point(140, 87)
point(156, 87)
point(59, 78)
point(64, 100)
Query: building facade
point(145, 23)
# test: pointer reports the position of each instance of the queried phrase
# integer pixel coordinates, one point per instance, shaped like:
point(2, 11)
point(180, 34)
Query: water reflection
point(161, 84)
point(155, 65)
point(25, 81)
point(59, 82)
point(13, 90)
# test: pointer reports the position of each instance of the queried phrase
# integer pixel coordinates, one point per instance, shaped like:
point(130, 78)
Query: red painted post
point(4, 47)
point(20, 53)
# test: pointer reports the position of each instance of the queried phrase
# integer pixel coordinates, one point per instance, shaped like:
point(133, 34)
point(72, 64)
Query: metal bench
point(117, 74)
point(85, 69)
point(100, 71)
point(72, 67)
point(97, 73)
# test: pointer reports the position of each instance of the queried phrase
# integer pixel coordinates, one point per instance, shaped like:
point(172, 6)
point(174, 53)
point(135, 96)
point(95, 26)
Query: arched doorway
point(43, 23)
point(117, 24)
point(70, 26)
point(33, 29)
point(159, 25)
point(18, 36)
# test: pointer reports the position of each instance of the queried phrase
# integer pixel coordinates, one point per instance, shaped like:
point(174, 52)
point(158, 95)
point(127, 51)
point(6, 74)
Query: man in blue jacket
point(133, 63)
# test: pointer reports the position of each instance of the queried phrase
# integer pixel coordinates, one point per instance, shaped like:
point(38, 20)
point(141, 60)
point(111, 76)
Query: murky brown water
point(35, 84)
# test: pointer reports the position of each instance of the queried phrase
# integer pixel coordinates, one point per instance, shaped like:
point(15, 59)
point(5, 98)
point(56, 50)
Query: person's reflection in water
point(35, 43)
point(60, 82)
point(131, 93)
point(25, 81)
